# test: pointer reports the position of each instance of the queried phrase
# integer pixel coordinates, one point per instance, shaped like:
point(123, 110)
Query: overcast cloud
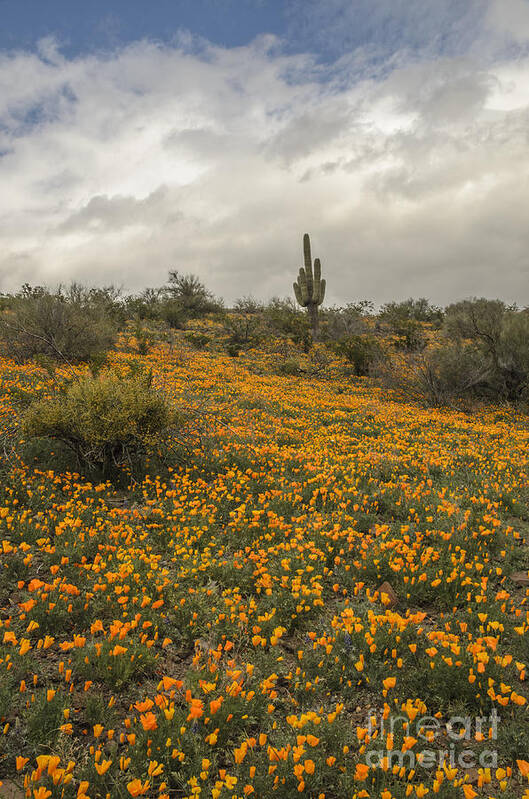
point(412, 177)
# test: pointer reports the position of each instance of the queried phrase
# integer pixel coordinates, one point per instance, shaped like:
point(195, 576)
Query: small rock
point(472, 775)
point(520, 578)
point(9, 790)
point(117, 502)
point(388, 597)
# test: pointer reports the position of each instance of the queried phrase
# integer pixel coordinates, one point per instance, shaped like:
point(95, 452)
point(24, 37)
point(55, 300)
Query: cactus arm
point(317, 280)
point(302, 280)
point(322, 292)
point(297, 292)
point(308, 263)
point(306, 251)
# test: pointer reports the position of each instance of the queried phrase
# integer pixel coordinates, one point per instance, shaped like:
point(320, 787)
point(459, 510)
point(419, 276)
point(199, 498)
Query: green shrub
point(405, 321)
point(289, 367)
point(198, 341)
point(409, 335)
point(233, 350)
point(108, 421)
point(191, 296)
point(107, 300)
point(349, 320)
point(146, 305)
point(144, 339)
point(361, 351)
point(501, 337)
point(64, 326)
point(478, 320)
point(446, 375)
point(284, 318)
point(417, 310)
point(244, 331)
point(248, 305)
point(172, 313)
point(514, 355)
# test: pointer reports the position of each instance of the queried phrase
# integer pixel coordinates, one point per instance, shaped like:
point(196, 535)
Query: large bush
point(190, 296)
point(145, 305)
point(478, 320)
point(108, 421)
point(483, 356)
point(243, 331)
point(500, 337)
point(514, 354)
point(406, 320)
point(283, 318)
point(341, 323)
point(419, 310)
point(451, 375)
point(363, 352)
point(248, 305)
point(73, 325)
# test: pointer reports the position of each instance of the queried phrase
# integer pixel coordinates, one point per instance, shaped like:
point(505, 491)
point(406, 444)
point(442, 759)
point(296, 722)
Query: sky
point(208, 135)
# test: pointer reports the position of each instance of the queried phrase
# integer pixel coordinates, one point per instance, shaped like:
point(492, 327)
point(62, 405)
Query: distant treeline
point(475, 349)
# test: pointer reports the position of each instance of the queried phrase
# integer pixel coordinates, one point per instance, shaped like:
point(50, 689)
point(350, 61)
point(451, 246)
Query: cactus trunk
point(314, 320)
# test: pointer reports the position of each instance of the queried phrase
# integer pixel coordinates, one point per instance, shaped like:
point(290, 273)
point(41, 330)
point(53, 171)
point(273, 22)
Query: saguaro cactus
point(309, 288)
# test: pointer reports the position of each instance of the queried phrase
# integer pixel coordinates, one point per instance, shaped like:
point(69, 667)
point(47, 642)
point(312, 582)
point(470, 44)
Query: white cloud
point(122, 166)
point(511, 18)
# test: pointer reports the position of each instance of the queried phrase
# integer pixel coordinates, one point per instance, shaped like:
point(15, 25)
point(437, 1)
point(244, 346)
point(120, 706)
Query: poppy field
point(327, 597)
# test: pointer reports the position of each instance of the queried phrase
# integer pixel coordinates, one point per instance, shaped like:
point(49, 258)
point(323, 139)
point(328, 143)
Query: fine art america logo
point(397, 741)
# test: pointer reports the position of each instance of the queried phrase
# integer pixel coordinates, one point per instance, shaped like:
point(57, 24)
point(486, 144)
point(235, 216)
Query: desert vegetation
point(271, 549)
